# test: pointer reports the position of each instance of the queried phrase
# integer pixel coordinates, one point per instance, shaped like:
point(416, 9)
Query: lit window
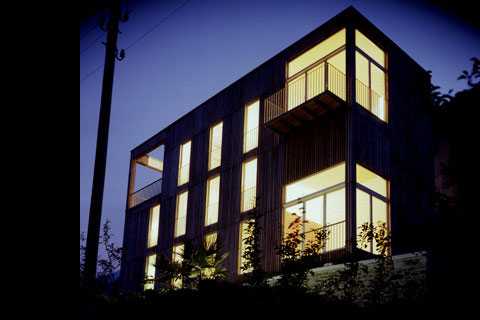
point(370, 48)
point(215, 151)
point(319, 69)
point(153, 227)
point(250, 136)
point(372, 203)
point(150, 272)
point(319, 203)
point(177, 256)
point(244, 234)
point(370, 76)
point(184, 163)
point(318, 52)
point(213, 196)
point(249, 184)
point(210, 239)
point(181, 215)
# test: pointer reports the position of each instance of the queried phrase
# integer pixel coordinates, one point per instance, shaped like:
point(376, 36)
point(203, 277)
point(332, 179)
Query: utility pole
point(96, 201)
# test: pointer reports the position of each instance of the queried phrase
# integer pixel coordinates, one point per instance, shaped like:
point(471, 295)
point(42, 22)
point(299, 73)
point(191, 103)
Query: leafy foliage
point(199, 261)
point(107, 267)
point(252, 255)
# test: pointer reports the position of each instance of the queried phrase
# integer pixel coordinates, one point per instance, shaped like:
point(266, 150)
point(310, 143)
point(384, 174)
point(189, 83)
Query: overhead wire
point(139, 38)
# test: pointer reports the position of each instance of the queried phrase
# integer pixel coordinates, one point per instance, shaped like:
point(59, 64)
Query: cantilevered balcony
point(145, 193)
point(318, 90)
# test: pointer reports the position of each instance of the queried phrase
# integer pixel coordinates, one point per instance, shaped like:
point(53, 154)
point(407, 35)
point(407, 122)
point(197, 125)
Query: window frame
point(369, 84)
point(245, 126)
point(156, 227)
point(210, 146)
point(207, 198)
point(175, 235)
point(373, 194)
point(180, 182)
point(242, 186)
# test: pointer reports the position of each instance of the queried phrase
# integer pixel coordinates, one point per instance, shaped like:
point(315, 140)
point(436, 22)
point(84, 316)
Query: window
point(372, 202)
point(215, 149)
point(319, 201)
point(250, 132)
point(210, 239)
point(371, 76)
point(177, 256)
point(184, 163)
point(318, 52)
point(153, 226)
point(319, 69)
point(181, 214)
point(244, 234)
point(150, 272)
point(213, 196)
point(249, 184)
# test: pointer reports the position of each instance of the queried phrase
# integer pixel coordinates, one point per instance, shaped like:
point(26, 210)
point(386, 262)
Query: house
point(335, 129)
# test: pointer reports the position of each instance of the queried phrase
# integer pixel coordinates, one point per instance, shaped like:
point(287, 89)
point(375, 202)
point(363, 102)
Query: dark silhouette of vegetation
point(449, 253)
point(199, 261)
point(108, 267)
point(453, 235)
point(254, 274)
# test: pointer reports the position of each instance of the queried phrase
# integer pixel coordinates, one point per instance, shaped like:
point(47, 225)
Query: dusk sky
point(207, 45)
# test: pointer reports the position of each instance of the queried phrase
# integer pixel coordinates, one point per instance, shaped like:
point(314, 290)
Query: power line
point(142, 36)
point(92, 43)
point(93, 27)
point(158, 24)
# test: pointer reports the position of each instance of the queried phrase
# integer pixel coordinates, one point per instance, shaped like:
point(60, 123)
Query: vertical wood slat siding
point(280, 159)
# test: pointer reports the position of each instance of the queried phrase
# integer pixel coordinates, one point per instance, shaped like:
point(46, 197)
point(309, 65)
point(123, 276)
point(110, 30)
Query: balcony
point(145, 193)
point(318, 90)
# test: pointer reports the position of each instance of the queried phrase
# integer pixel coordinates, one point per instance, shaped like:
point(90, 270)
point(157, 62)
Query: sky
point(178, 54)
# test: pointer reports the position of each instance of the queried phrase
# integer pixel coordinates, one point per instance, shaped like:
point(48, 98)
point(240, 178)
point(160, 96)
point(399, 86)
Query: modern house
point(335, 129)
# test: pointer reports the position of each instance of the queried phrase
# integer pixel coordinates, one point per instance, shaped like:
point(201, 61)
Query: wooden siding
point(387, 148)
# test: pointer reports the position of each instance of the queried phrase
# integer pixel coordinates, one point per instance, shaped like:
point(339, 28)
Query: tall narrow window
point(215, 150)
point(153, 226)
point(249, 184)
point(177, 256)
point(210, 240)
point(184, 163)
point(250, 133)
point(150, 272)
point(181, 214)
point(371, 76)
point(244, 234)
point(372, 203)
point(213, 196)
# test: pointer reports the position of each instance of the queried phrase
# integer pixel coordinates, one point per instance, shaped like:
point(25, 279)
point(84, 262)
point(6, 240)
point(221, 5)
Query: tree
point(107, 267)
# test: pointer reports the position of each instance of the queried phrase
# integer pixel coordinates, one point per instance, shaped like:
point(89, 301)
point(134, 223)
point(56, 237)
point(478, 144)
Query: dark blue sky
point(209, 44)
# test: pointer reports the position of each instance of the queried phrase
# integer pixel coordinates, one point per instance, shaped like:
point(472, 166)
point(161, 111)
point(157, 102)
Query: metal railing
point(335, 236)
point(314, 81)
point(250, 140)
point(248, 199)
point(148, 192)
point(370, 100)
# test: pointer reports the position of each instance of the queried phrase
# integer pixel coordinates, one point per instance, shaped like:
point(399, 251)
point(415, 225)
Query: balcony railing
point(250, 140)
point(248, 199)
point(335, 236)
point(370, 100)
point(313, 82)
point(145, 193)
